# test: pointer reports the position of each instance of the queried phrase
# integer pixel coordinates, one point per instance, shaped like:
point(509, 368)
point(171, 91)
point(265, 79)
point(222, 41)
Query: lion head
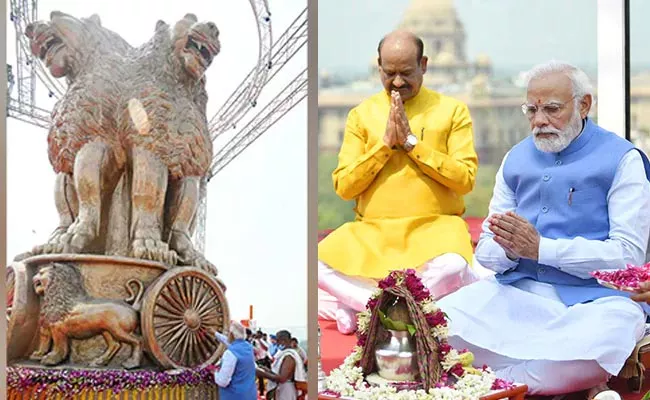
point(195, 44)
point(57, 275)
point(64, 42)
point(61, 286)
point(42, 280)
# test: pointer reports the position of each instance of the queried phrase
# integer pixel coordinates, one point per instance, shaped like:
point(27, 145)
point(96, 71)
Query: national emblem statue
point(130, 144)
point(129, 139)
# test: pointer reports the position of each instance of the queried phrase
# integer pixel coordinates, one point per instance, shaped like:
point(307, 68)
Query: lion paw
point(48, 248)
point(36, 356)
point(77, 239)
point(54, 245)
point(205, 265)
point(131, 363)
point(98, 362)
point(51, 359)
point(155, 250)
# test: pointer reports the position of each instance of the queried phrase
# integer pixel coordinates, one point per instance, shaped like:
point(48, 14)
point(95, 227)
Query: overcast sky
point(257, 205)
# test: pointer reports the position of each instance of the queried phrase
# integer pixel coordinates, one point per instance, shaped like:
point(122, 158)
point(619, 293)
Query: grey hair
point(237, 330)
point(581, 83)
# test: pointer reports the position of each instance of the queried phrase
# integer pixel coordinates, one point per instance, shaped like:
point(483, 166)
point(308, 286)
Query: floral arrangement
point(71, 382)
point(458, 380)
point(624, 279)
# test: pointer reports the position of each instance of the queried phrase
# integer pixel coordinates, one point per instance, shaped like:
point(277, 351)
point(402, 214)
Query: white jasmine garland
point(363, 321)
point(348, 379)
point(452, 358)
point(441, 331)
point(429, 307)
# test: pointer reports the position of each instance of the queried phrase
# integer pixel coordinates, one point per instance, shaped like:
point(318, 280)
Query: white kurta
point(524, 331)
point(287, 390)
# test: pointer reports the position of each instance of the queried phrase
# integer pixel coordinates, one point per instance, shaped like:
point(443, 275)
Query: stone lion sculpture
point(69, 312)
point(129, 139)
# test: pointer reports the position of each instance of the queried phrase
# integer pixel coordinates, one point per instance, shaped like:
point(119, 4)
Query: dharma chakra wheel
point(179, 310)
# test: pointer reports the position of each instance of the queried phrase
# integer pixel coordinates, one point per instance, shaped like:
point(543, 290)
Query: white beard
point(561, 138)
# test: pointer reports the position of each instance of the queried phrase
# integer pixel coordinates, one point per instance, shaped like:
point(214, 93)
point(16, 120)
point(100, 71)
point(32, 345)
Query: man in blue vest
point(236, 377)
point(569, 199)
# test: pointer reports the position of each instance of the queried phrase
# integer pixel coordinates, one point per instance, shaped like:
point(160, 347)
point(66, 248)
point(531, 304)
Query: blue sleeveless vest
point(564, 195)
point(242, 384)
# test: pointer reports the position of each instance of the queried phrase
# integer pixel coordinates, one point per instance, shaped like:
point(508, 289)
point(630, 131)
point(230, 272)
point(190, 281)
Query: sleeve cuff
point(548, 252)
point(422, 153)
point(380, 152)
point(508, 264)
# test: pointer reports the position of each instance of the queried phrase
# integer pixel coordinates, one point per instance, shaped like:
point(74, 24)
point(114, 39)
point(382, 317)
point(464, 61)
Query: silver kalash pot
point(396, 357)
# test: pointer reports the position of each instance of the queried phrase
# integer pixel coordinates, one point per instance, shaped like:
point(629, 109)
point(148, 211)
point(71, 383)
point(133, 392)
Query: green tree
point(332, 210)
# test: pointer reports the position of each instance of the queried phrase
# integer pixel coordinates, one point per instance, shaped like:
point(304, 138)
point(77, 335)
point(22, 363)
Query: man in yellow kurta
point(407, 159)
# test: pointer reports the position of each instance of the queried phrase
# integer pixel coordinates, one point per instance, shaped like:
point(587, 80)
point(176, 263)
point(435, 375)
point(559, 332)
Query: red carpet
point(334, 347)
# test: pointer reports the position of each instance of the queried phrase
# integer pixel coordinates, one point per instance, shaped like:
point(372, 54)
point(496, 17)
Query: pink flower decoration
point(372, 303)
point(457, 370)
point(436, 319)
point(501, 384)
point(387, 282)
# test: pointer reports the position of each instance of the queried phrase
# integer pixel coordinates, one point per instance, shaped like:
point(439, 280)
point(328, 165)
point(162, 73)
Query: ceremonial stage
point(334, 346)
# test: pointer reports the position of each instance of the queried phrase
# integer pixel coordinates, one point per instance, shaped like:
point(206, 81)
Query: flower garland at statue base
point(72, 382)
point(459, 381)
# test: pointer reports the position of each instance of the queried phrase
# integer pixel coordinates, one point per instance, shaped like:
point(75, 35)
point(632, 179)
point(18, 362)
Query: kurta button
point(544, 209)
point(558, 162)
point(546, 178)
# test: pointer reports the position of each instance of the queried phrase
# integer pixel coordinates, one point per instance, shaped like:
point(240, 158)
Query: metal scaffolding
point(238, 104)
point(287, 45)
point(288, 98)
point(283, 49)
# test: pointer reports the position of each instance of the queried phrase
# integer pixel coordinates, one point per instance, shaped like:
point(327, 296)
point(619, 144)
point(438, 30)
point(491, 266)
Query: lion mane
point(64, 289)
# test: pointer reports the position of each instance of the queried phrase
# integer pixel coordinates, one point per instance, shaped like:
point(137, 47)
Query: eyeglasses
point(552, 109)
